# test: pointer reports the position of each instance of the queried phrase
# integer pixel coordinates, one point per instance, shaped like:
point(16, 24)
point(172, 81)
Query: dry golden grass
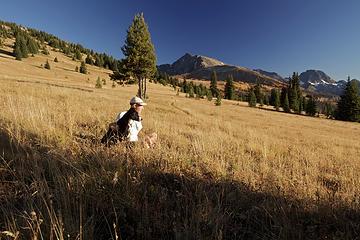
point(217, 172)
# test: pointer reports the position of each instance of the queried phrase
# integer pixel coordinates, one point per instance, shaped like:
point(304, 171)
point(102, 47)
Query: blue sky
point(275, 35)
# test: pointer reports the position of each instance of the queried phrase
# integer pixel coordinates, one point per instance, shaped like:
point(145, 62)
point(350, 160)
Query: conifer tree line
point(290, 98)
point(30, 41)
point(191, 89)
point(200, 90)
point(24, 45)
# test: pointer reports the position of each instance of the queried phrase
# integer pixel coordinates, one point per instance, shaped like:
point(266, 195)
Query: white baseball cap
point(137, 100)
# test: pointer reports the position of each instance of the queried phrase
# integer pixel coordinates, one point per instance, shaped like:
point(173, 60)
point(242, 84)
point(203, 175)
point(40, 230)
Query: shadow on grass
point(117, 197)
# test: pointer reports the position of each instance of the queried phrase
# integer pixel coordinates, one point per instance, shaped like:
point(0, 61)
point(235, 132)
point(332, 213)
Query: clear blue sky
point(274, 35)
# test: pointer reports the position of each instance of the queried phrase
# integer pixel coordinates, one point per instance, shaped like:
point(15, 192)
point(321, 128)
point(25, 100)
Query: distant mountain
point(315, 77)
point(201, 67)
point(270, 74)
point(189, 63)
point(319, 82)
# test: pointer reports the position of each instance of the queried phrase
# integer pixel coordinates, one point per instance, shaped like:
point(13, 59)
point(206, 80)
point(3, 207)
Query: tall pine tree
point(311, 108)
point(348, 107)
point(89, 60)
point(20, 47)
point(272, 96)
point(258, 92)
point(294, 93)
point(213, 84)
point(229, 88)
point(252, 98)
point(275, 98)
point(139, 52)
point(78, 54)
point(286, 105)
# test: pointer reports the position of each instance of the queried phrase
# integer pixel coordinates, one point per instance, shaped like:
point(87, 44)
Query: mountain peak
point(312, 76)
point(189, 63)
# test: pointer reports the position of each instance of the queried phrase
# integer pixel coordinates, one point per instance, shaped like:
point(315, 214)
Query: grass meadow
point(228, 172)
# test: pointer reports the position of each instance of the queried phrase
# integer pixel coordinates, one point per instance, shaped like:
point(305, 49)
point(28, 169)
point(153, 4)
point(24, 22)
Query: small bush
point(218, 100)
point(83, 68)
point(47, 65)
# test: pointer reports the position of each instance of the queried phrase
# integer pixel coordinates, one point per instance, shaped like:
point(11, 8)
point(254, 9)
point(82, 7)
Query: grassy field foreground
point(229, 172)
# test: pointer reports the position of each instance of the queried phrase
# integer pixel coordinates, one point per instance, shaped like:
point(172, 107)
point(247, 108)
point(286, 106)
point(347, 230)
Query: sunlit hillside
point(217, 172)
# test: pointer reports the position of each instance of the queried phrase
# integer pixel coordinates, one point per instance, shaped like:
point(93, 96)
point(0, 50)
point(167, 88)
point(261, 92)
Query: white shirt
point(134, 127)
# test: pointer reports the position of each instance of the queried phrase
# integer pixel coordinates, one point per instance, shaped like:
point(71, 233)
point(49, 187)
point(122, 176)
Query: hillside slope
point(62, 72)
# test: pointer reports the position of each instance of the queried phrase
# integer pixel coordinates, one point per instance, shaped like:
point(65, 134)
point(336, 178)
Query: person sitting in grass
point(127, 126)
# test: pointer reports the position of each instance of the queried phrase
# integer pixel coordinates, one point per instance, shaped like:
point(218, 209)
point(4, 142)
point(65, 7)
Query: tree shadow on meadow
point(116, 197)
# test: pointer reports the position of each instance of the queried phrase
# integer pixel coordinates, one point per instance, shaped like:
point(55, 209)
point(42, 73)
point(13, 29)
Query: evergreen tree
point(66, 51)
point(83, 68)
point(191, 90)
point(301, 107)
point(98, 83)
point(23, 47)
point(229, 88)
point(277, 100)
point(258, 92)
point(20, 48)
point(196, 90)
point(202, 90)
point(311, 107)
point(89, 60)
point(17, 52)
point(329, 110)
point(99, 61)
point(218, 100)
point(261, 101)
point(78, 54)
point(282, 96)
point(286, 105)
point(56, 60)
point(294, 104)
point(348, 106)
point(266, 100)
point(47, 65)
point(272, 97)
point(209, 95)
point(185, 87)
point(139, 52)
point(76, 69)
point(304, 102)
point(294, 93)
point(213, 84)
point(252, 99)
point(32, 46)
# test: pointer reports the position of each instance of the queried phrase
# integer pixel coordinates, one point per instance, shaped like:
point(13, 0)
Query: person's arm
point(134, 129)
